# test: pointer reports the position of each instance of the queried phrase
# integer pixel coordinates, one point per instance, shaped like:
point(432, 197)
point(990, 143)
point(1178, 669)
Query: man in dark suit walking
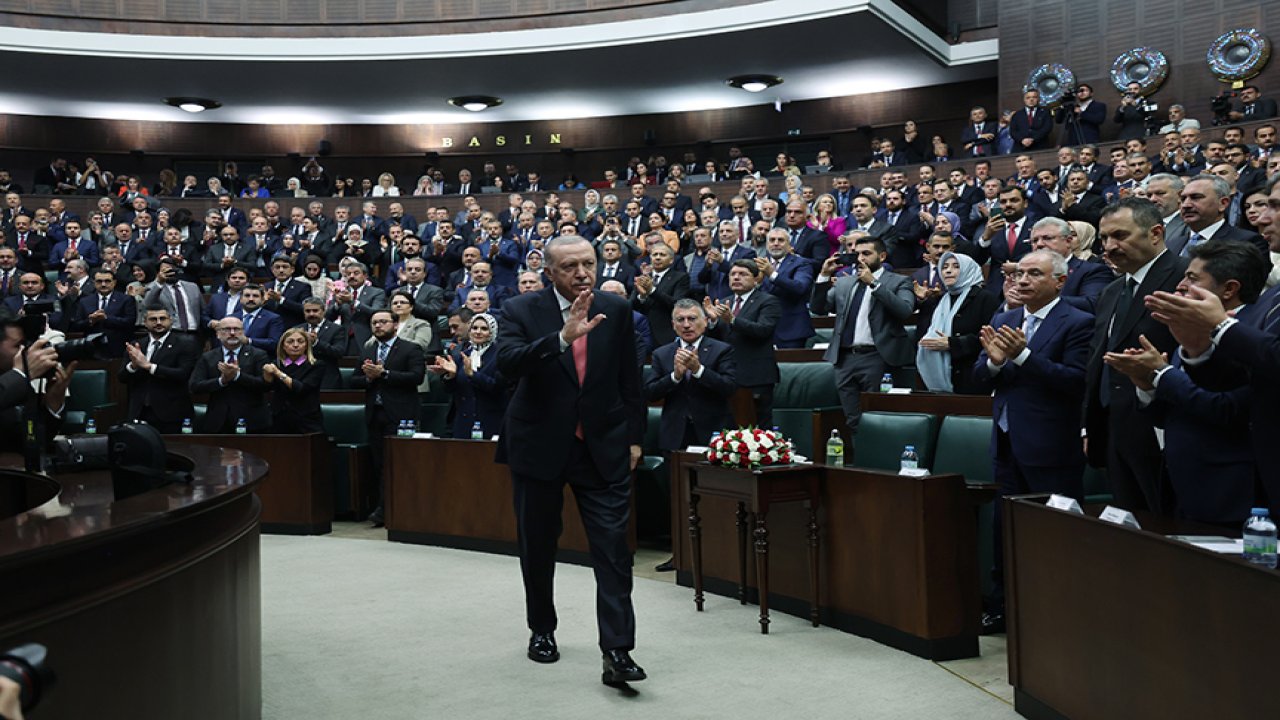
point(1034, 358)
point(156, 374)
point(1117, 435)
point(747, 319)
point(577, 416)
point(869, 339)
point(390, 372)
point(231, 375)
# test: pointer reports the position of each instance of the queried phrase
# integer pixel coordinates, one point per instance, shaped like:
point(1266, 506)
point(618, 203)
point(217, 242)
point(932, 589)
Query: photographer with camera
point(1081, 120)
point(27, 362)
point(1135, 114)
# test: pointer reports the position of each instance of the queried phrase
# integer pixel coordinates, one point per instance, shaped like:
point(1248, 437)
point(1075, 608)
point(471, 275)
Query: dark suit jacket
point(119, 324)
point(1165, 274)
point(982, 147)
point(243, 254)
point(998, 253)
point(355, 316)
point(1037, 129)
point(296, 409)
point(1085, 282)
point(716, 276)
point(165, 391)
point(549, 403)
point(265, 330)
point(657, 306)
point(751, 335)
point(481, 397)
point(1225, 232)
point(1086, 208)
point(702, 401)
point(812, 244)
point(404, 369)
point(626, 274)
point(792, 288)
point(1041, 395)
point(245, 397)
point(289, 306)
point(86, 248)
point(1087, 128)
point(428, 304)
point(36, 251)
point(329, 348)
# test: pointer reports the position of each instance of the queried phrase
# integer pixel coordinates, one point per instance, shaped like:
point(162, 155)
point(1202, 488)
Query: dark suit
point(481, 397)
point(329, 348)
point(86, 248)
point(289, 306)
point(1083, 128)
point(695, 407)
point(1120, 437)
point(1085, 282)
point(659, 303)
point(1087, 208)
point(162, 398)
point(715, 277)
point(428, 302)
point(624, 273)
point(391, 398)
point(859, 368)
point(998, 253)
point(1225, 232)
point(356, 314)
point(243, 255)
point(296, 408)
point(244, 397)
point(751, 335)
point(810, 243)
point(792, 288)
point(538, 442)
point(119, 324)
point(32, 249)
point(264, 330)
point(1037, 128)
point(982, 147)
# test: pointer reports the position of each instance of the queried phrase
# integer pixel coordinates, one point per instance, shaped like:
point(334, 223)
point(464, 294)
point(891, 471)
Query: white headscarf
point(477, 351)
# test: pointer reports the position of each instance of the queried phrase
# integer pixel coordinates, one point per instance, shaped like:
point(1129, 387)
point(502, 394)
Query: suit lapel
point(551, 321)
point(1050, 327)
point(1155, 278)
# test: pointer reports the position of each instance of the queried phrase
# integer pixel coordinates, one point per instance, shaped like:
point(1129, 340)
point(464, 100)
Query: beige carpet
point(356, 628)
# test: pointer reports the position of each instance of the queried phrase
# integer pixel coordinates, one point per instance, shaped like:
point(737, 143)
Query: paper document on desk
point(1213, 543)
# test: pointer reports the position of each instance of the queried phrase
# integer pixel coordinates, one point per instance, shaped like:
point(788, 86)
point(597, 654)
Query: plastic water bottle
point(1260, 538)
point(476, 432)
point(910, 460)
point(835, 449)
point(400, 428)
point(90, 427)
point(410, 428)
point(241, 428)
point(886, 383)
point(186, 426)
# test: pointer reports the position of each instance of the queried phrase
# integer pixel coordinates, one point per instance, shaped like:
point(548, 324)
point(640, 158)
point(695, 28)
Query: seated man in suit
point(262, 328)
point(1085, 280)
point(658, 290)
point(390, 373)
point(1208, 453)
point(107, 311)
point(1034, 358)
point(747, 320)
point(869, 338)
point(788, 277)
point(157, 371)
point(328, 341)
point(231, 375)
point(285, 295)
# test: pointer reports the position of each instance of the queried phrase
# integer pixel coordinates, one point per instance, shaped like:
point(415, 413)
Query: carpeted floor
point(355, 628)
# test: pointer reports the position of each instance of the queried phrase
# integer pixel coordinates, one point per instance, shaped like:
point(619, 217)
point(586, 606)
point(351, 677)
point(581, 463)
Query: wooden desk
point(758, 489)
point(297, 494)
point(150, 606)
point(1109, 622)
point(451, 493)
point(940, 404)
point(898, 557)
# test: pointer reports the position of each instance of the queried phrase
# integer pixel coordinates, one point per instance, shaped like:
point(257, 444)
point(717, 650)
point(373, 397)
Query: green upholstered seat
point(1096, 487)
point(89, 391)
point(351, 488)
point(345, 423)
point(653, 482)
point(964, 447)
point(882, 435)
point(346, 373)
point(803, 389)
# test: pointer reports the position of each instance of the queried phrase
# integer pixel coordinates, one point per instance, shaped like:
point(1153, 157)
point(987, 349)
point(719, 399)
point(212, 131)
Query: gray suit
point(355, 316)
point(859, 370)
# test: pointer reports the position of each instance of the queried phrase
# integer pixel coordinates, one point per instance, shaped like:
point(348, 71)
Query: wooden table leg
point(695, 540)
point(762, 569)
point(813, 565)
point(742, 553)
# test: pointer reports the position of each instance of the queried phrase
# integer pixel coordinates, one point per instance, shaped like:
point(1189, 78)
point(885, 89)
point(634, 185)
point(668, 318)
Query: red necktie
point(580, 364)
point(737, 305)
point(73, 245)
point(1013, 238)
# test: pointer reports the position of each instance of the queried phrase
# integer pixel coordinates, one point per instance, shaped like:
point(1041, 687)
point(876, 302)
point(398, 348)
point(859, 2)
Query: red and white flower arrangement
point(749, 448)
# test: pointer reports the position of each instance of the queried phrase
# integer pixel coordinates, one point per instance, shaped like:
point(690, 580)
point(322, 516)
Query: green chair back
point(345, 424)
point(882, 435)
point(964, 448)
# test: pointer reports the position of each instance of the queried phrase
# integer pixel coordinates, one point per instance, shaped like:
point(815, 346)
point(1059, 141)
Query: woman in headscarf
point(1085, 237)
point(947, 221)
point(947, 335)
point(480, 393)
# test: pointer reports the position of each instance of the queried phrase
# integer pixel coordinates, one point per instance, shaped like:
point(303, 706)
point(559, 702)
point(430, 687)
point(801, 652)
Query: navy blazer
point(86, 248)
point(1042, 396)
point(751, 335)
point(792, 288)
point(265, 330)
point(1037, 129)
point(1085, 282)
point(703, 401)
point(549, 402)
point(119, 325)
point(481, 397)
point(998, 253)
point(715, 277)
point(982, 147)
point(289, 306)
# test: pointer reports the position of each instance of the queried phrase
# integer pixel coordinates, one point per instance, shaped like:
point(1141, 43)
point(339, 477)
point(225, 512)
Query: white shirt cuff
point(993, 368)
point(821, 279)
point(698, 374)
point(1222, 330)
point(1022, 357)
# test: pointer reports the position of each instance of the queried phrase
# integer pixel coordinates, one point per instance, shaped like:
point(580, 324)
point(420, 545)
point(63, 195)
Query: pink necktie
point(580, 364)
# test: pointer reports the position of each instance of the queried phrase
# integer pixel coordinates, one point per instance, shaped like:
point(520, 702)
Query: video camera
point(1220, 104)
point(26, 666)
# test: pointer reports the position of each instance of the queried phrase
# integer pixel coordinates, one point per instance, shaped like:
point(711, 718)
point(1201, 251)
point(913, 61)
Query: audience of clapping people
point(1096, 301)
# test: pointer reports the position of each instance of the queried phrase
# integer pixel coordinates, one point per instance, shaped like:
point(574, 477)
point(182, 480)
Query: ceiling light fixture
point(754, 83)
point(475, 103)
point(192, 104)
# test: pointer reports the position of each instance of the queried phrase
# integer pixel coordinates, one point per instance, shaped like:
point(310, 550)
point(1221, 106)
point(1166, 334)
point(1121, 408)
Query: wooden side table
point(755, 491)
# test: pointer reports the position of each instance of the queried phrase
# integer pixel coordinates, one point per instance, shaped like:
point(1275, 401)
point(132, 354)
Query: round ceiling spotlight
point(754, 83)
point(192, 104)
point(475, 103)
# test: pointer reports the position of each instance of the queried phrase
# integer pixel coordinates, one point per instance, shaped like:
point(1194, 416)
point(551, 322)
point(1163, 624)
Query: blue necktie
point(383, 349)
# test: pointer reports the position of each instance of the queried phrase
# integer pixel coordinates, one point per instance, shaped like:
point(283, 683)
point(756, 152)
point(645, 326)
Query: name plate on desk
point(914, 472)
point(1066, 504)
point(899, 391)
point(1120, 517)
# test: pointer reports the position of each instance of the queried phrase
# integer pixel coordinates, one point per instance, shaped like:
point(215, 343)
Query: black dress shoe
point(377, 518)
point(992, 623)
point(542, 648)
point(620, 668)
point(668, 566)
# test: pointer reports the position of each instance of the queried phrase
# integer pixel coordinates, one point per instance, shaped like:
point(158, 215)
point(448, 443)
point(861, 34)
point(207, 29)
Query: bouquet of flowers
point(749, 448)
